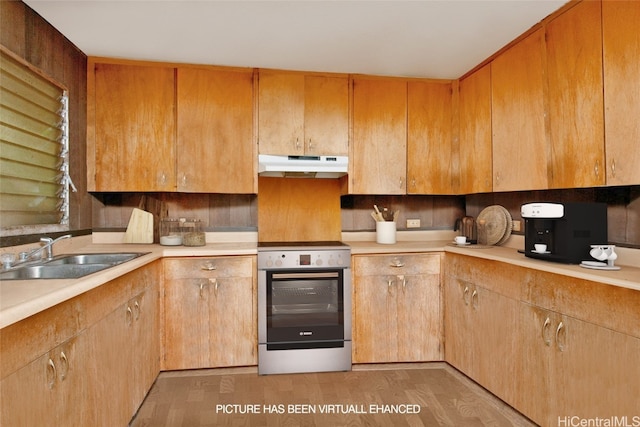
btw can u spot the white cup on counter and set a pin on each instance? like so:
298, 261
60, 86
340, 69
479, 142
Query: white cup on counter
386, 232
461, 240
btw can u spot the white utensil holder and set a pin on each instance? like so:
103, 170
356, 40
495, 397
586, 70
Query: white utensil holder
386, 232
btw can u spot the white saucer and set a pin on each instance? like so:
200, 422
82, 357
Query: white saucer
461, 244
541, 253
597, 265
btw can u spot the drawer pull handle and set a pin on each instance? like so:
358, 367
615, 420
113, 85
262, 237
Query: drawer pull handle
545, 328
214, 282
136, 310
396, 263
202, 284
208, 267
129, 316
474, 299
465, 293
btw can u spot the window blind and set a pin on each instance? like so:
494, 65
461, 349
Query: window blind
34, 179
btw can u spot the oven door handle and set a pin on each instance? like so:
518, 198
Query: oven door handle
302, 275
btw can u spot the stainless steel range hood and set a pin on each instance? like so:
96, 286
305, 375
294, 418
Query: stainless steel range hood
302, 166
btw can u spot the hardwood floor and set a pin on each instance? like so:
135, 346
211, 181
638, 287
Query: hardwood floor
430, 394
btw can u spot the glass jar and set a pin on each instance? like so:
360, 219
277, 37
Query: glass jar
170, 234
192, 234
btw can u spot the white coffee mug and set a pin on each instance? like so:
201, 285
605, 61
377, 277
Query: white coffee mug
461, 240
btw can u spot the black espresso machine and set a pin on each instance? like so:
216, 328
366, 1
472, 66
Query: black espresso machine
568, 230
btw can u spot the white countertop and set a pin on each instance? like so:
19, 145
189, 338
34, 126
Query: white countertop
20, 299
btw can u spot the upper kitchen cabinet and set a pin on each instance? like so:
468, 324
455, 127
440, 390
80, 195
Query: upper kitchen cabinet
215, 145
475, 163
130, 128
378, 152
622, 90
518, 116
575, 98
429, 137
303, 114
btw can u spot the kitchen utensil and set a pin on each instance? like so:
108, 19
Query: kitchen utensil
467, 227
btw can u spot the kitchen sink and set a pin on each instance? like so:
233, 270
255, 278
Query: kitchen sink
81, 259
71, 266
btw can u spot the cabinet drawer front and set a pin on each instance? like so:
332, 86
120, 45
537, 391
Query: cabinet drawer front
375, 265
182, 268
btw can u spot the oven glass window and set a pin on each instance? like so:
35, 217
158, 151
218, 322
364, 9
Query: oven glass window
305, 306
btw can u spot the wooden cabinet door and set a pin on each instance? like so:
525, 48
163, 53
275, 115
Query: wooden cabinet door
518, 116
378, 153
397, 308
134, 128
210, 313
576, 120
622, 90
51, 390
429, 138
215, 148
326, 115
281, 113
475, 162
458, 326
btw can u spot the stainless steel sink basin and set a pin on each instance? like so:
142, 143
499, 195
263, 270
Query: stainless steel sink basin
66, 271
70, 266
107, 258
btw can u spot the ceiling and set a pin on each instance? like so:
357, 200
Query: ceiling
435, 39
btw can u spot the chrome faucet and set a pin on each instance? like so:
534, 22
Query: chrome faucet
46, 248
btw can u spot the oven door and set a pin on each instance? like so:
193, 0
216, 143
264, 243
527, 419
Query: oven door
303, 309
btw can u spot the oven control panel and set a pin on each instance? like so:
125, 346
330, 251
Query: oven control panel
283, 259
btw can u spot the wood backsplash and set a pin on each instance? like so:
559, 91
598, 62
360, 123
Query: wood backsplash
298, 209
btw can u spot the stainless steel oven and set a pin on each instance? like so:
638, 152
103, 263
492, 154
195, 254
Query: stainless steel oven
304, 307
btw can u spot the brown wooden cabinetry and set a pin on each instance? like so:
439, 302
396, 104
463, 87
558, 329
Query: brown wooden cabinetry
210, 312
303, 114
87, 361
575, 97
622, 90
475, 162
131, 128
397, 309
378, 153
429, 137
215, 149
518, 116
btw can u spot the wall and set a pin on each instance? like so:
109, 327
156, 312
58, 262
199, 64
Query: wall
26, 34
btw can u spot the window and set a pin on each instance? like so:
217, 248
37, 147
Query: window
34, 147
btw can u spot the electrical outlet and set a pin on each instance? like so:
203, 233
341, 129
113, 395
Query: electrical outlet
517, 225
413, 223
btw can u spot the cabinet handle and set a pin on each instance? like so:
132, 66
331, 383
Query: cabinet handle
184, 179
560, 344
202, 284
401, 183
297, 144
136, 310
129, 316
310, 144
402, 279
413, 183
545, 328
596, 168
208, 267
51, 374
214, 282
613, 167
64, 369
396, 263
465, 293
474, 299
163, 179
389, 284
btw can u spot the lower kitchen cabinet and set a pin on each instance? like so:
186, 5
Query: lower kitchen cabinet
210, 311
544, 343
88, 361
50, 390
481, 335
397, 308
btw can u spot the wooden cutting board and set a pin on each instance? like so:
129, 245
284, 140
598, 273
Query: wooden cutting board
140, 228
